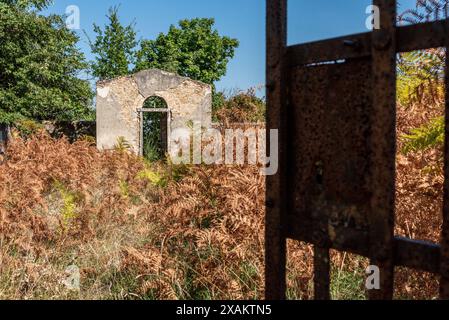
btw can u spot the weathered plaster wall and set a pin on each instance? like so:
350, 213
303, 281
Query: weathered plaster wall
118, 100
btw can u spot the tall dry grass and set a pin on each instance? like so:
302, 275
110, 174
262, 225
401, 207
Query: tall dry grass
419, 197
158, 231
135, 230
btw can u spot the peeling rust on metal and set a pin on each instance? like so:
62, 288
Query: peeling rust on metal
334, 102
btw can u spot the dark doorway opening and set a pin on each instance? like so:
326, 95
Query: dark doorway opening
155, 118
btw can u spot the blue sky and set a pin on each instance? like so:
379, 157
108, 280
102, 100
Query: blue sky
241, 19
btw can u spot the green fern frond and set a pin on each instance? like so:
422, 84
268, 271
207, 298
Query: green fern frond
122, 144
70, 199
423, 138
152, 177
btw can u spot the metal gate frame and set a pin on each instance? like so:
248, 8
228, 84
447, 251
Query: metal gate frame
383, 248
141, 111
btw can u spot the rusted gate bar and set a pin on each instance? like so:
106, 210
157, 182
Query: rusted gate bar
444, 263
335, 187
409, 38
275, 242
322, 269
383, 146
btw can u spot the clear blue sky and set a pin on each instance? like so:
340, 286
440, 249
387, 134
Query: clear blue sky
241, 19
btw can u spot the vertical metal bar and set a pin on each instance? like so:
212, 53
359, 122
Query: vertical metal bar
322, 270
444, 268
168, 131
141, 134
383, 142
275, 242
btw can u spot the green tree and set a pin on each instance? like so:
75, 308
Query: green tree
40, 66
28, 4
114, 48
194, 50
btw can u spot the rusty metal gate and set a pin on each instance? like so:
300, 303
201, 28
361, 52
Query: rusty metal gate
334, 103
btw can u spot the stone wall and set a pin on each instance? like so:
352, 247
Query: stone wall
73, 130
119, 99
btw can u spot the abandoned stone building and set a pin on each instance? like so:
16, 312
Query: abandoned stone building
125, 103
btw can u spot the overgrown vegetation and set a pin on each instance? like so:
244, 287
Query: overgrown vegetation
239, 107
140, 229
420, 128
135, 230
421, 78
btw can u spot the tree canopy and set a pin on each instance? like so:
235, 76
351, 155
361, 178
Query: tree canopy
114, 47
40, 66
194, 49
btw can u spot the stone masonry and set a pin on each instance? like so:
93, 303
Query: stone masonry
119, 99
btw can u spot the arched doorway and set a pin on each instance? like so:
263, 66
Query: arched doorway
154, 129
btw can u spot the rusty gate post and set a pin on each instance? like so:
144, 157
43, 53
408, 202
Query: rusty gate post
334, 102
444, 263
322, 273
275, 242
383, 140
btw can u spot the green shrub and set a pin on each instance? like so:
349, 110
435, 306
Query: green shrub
240, 108
69, 199
27, 127
152, 177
